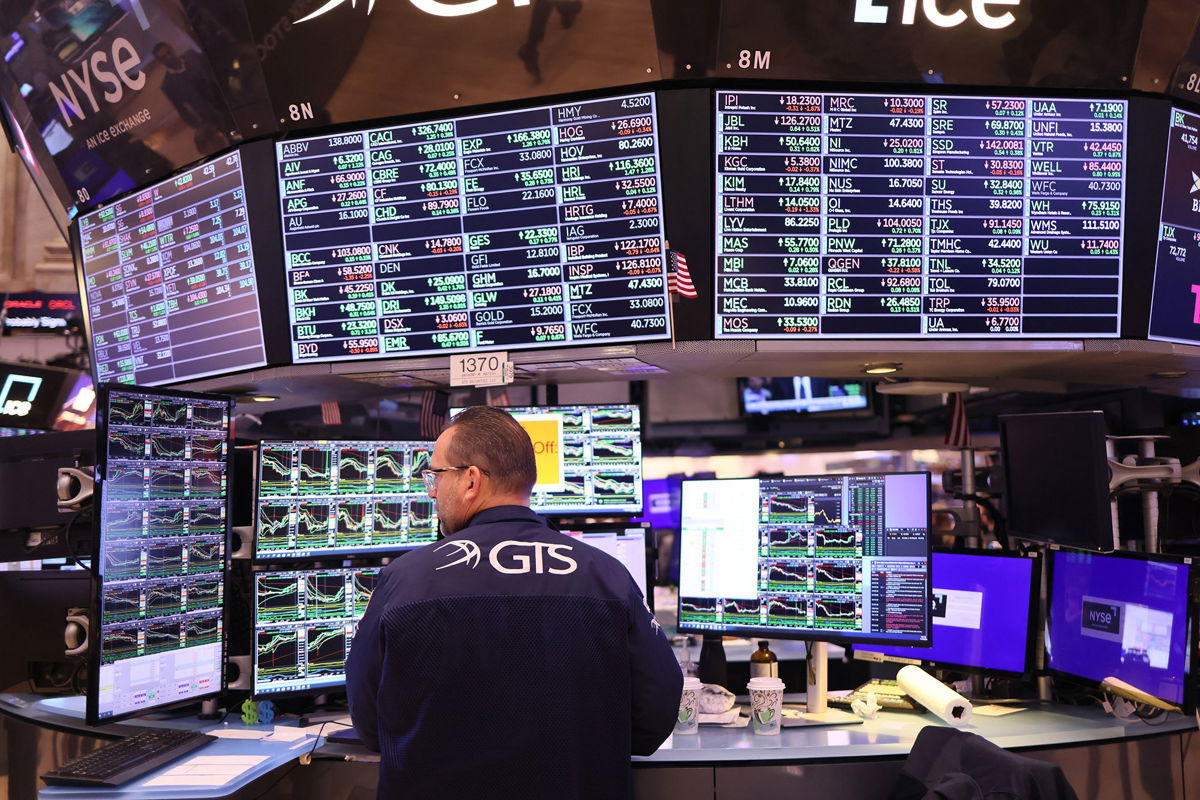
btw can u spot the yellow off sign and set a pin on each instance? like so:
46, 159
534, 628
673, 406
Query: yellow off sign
546, 433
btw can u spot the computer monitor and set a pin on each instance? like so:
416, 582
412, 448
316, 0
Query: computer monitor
1123, 615
984, 614
626, 543
353, 498
800, 394
1063, 499
842, 558
304, 624
162, 483
589, 458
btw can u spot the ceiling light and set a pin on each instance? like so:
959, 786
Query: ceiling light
1169, 373
881, 367
262, 398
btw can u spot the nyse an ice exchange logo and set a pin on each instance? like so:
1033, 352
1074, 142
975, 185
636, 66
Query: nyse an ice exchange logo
438, 8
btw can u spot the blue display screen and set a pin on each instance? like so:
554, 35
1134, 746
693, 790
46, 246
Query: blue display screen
1120, 617
980, 613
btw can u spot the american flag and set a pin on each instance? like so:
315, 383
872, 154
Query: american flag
331, 413
958, 433
498, 397
435, 406
679, 280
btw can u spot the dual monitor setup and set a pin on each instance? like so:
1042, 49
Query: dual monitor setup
847, 559
326, 514
810, 215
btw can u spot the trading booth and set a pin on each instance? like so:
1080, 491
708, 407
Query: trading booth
336, 199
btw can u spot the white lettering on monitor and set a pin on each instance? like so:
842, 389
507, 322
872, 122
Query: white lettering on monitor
124, 73
873, 12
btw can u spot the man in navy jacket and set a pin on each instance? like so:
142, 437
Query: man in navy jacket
506, 660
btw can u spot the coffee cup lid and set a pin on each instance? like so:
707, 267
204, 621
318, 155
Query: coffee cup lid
765, 683
690, 682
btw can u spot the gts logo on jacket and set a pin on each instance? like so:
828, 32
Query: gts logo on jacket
514, 558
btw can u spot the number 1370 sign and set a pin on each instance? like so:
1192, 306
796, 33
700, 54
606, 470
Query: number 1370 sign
486, 369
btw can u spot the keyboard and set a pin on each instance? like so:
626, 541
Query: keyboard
121, 762
888, 695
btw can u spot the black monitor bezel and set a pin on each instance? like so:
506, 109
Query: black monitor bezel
1031, 624
586, 513
867, 409
103, 394
322, 555
1191, 690
256, 160
1006, 466
828, 636
306, 569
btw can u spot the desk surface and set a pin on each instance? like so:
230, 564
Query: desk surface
889, 735
892, 734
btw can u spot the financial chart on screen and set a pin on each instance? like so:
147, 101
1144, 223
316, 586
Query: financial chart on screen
168, 280
837, 557
342, 497
589, 458
161, 554
873, 215
530, 228
304, 624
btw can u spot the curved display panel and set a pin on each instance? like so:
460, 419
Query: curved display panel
168, 280
538, 227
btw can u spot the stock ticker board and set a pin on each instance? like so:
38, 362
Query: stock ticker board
1175, 312
856, 215
531, 228
169, 282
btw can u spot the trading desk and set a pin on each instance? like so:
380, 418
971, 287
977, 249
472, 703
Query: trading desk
1101, 756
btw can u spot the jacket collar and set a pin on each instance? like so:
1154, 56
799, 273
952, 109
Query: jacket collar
506, 513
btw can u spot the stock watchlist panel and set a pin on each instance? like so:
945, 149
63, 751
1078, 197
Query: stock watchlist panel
1175, 312
844, 215
530, 228
169, 281
342, 497
304, 623
162, 549
846, 557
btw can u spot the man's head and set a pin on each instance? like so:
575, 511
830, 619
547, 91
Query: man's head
486, 460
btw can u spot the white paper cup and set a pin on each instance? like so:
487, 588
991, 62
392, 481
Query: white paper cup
688, 720
766, 705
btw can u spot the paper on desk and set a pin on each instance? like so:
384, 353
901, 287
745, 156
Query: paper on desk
206, 771
720, 719
284, 733
237, 733
996, 711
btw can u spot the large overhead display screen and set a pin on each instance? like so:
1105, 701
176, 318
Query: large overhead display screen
1175, 313
532, 228
169, 283
859, 216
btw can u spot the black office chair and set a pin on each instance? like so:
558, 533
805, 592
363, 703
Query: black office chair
949, 764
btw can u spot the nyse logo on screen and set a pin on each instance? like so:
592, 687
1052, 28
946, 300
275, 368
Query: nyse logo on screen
877, 11
438, 8
1101, 619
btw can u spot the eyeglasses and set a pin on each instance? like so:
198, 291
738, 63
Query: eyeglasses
430, 475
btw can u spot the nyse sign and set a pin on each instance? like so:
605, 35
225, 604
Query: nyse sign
877, 12
17, 395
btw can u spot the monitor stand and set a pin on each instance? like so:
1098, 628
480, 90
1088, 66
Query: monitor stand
817, 710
